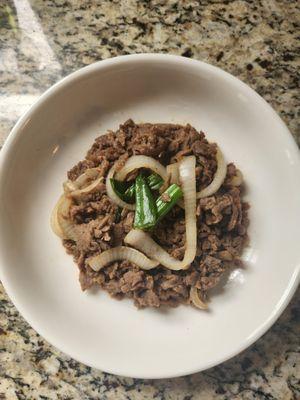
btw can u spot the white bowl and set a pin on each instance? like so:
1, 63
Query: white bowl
42, 280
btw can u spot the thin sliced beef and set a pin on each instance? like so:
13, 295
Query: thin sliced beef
222, 219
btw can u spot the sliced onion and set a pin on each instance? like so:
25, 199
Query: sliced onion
64, 221
218, 178
54, 219
220, 175
83, 184
112, 194
69, 186
88, 175
237, 179
173, 172
88, 189
121, 253
136, 162
194, 297
173, 176
142, 241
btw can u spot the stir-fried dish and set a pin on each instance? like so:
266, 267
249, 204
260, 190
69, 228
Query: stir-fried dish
153, 213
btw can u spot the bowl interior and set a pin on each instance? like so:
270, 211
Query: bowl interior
42, 279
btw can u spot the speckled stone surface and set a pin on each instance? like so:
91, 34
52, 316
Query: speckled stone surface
42, 41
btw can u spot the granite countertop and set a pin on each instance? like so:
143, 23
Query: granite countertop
44, 40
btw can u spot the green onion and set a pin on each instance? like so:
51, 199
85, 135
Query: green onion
145, 207
172, 195
130, 192
154, 181
119, 188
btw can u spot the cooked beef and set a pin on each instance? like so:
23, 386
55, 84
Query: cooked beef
222, 219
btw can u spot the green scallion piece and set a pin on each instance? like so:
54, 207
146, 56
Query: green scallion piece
145, 208
130, 192
167, 200
155, 181
119, 188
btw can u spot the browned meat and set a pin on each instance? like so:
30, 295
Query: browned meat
147, 298
222, 219
149, 141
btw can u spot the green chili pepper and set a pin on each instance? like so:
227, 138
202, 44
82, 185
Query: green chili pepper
145, 207
167, 200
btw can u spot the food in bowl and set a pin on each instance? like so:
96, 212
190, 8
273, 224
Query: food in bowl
153, 213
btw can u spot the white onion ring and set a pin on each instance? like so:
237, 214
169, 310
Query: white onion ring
86, 176
142, 241
218, 178
194, 297
217, 181
54, 219
121, 253
88, 189
173, 176
79, 186
69, 186
64, 221
237, 179
112, 194
173, 172
136, 162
